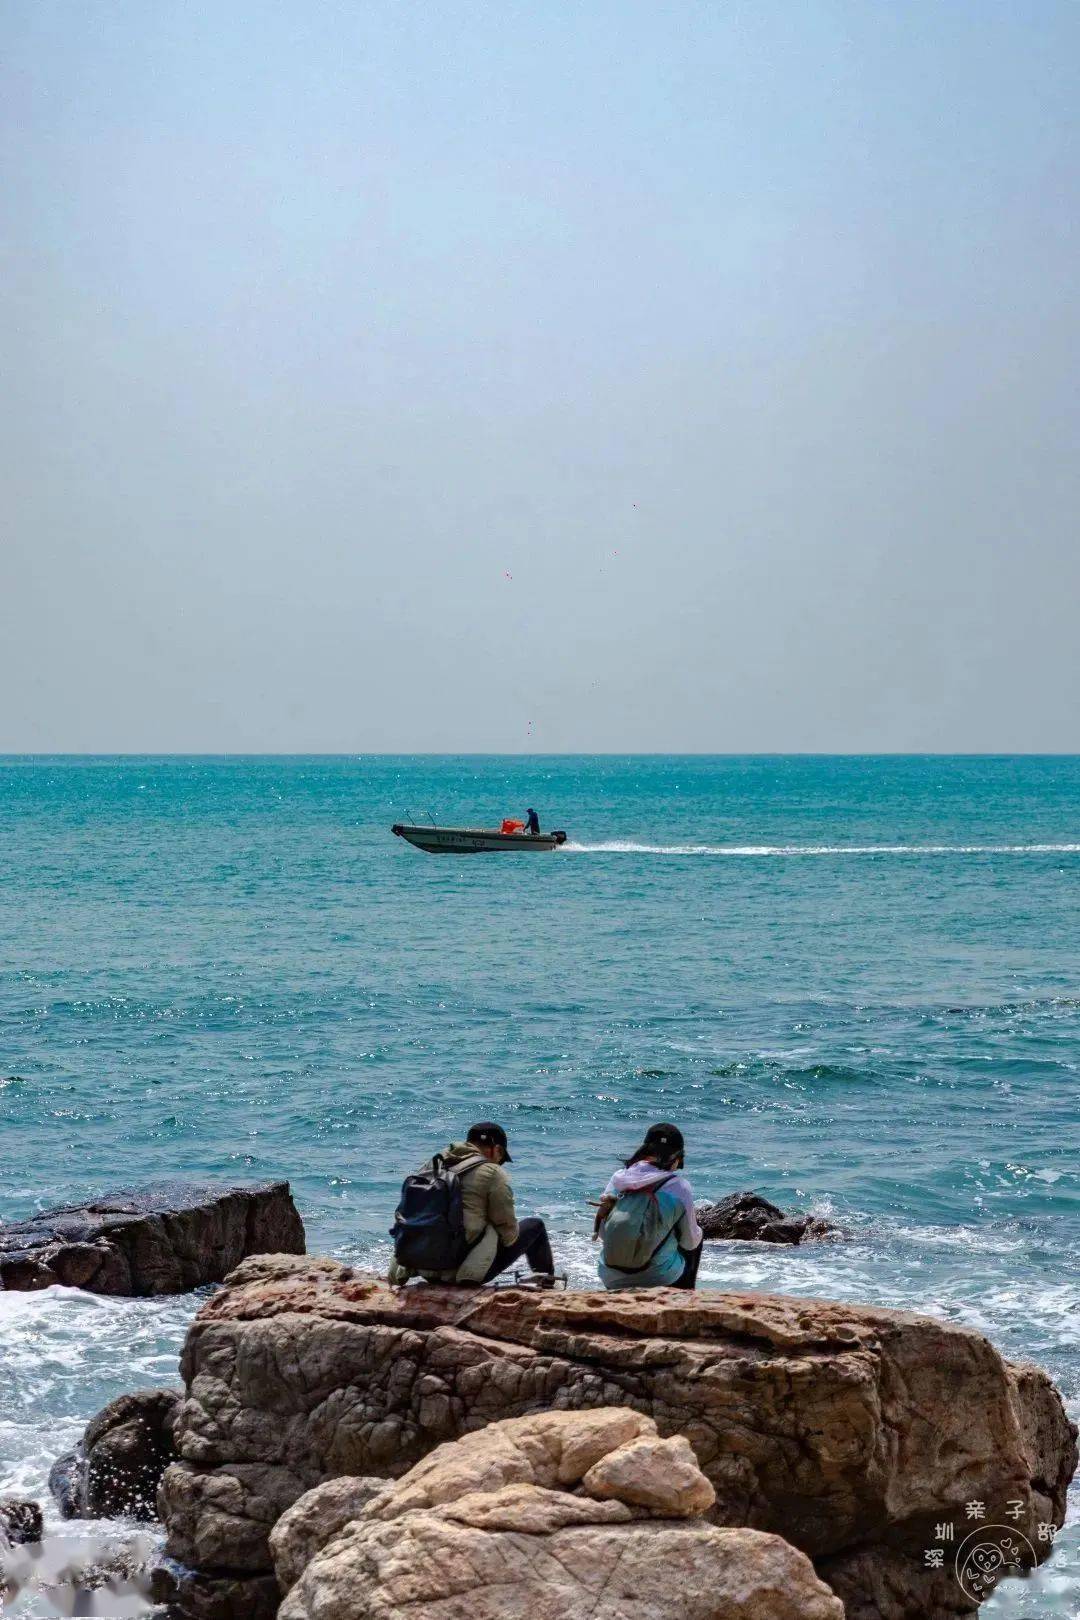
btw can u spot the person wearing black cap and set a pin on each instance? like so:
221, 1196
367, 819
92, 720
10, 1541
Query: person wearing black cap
532, 823
496, 1237
653, 1198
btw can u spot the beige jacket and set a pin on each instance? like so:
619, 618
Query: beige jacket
487, 1202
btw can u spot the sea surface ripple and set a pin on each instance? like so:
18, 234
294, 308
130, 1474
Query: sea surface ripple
862, 999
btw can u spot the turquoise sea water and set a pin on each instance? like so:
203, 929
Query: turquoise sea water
855, 984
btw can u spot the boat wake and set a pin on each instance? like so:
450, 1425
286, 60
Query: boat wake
622, 847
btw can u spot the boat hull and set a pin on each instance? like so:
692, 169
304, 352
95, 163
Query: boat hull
475, 840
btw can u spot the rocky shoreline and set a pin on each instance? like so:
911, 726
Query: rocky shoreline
851, 1432
175, 1236
340, 1448
164, 1239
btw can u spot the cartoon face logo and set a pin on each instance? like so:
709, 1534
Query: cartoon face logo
988, 1555
986, 1559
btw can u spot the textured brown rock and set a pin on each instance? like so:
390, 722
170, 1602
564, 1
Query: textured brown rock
532, 1510
427, 1567
158, 1240
527, 1549
116, 1470
876, 1584
661, 1476
546, 1449
850, 1431
314, 1520
222, 1520
612, 1455
1038, 1408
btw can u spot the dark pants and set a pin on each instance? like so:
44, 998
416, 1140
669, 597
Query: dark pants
693, 1260
532, 1242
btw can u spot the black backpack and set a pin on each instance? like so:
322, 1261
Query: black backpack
429, 1222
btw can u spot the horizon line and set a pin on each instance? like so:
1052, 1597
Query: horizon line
602, 753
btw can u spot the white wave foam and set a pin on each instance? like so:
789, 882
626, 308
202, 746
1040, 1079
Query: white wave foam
617, 846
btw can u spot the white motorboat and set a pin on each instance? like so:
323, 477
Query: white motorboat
474, 840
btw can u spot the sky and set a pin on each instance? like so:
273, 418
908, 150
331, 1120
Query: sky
580, 375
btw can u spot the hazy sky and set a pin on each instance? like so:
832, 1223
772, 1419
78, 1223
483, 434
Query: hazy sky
581, 374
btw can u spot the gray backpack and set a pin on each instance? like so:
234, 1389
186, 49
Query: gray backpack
636, 1229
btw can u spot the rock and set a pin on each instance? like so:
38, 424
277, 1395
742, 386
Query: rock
613, 1454
160, 1240
427, 1565
314, 1520
548, 1449
532, 1510
876, 1584
849, 1430
117, 1468
482, 1549
221, 1519
748, 1216
659, 1475
196, 1596
20, 1522
1038, 1407
67, 1484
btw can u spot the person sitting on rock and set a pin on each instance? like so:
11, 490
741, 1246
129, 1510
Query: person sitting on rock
646, 1218
495, 1236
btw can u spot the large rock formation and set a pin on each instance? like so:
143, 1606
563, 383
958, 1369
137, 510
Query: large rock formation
852, 1432
158, 1240
551, 1517
748, 1216
116, 1470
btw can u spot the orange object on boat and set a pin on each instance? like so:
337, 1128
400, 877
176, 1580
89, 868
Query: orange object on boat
512, 826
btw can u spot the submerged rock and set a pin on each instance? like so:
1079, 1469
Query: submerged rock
20, 1522
116, 1469
542, 1518
748, 1216
850, 1431
157, 1240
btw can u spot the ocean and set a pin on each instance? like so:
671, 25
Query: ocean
853, 982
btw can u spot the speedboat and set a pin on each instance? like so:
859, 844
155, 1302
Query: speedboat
474, 840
